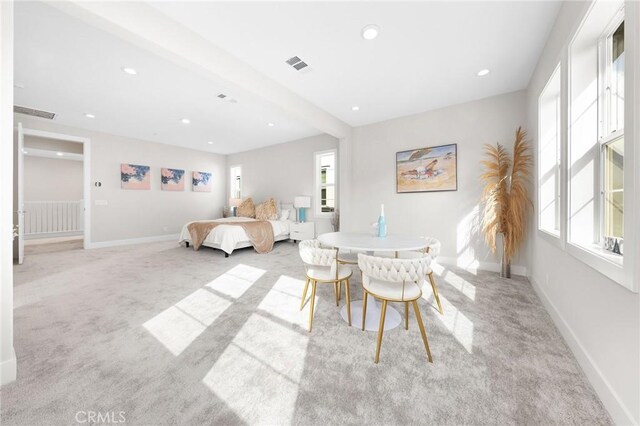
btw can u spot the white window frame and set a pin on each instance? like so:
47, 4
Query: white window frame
318, 183
557, 73
602, 261
232, 177
606, 136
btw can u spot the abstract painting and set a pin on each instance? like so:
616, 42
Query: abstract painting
172, 179
201, 181
427, 169
134, 176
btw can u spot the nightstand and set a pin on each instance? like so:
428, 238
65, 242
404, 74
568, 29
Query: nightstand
302, 231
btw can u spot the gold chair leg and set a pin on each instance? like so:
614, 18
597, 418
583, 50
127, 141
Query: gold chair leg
406, 315
364, 307
435, 292
383, 313
335, 289
313, 302
422, 332
339, 291
304, 293
348, 297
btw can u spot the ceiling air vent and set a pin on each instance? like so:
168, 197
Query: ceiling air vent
34, 112
298, 64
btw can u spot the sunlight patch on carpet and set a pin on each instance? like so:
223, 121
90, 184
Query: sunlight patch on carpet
179, 325
457, 323
283, 301
259, 373
456, 281
236, 281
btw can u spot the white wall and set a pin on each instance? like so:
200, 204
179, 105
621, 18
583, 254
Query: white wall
7, 354
52, 179
283, 171
452, 217
131, 214
598, 318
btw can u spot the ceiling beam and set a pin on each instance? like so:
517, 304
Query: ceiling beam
145, 26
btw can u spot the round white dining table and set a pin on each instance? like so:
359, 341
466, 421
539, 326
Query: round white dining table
370, 244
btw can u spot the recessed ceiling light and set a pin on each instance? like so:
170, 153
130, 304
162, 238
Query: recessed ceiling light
355, 108
59, 154
483, 72
370, 32
210, 143
270, 124
89, 115
185, 121
129, 71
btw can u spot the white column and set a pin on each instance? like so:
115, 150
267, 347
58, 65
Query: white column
344, 182
7, 353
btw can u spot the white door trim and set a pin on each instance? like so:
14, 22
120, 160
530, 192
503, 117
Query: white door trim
20, 210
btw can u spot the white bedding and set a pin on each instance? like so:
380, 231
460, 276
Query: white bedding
229, 237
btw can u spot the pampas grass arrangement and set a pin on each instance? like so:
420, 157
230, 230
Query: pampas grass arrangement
506, 197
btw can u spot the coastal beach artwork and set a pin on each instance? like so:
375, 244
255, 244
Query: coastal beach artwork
172, 179
201, 181
427, 169
134, 176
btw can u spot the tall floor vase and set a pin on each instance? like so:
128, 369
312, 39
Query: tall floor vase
505, 263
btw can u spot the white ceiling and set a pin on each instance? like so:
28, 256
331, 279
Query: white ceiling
69, 67
426, 56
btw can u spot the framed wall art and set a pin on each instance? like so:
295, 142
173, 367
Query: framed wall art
427, 169
201, 181
172, 179
135, 176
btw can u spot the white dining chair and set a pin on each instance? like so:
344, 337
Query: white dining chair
433, 251
321, 267
394, 280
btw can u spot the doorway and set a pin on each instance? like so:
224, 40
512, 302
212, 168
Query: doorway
53, 173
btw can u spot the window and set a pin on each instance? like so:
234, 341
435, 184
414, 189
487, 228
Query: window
549, 117
611, 135
595, 164
326, 193
235, 180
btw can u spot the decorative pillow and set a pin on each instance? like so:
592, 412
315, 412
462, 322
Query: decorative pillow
267, 210
284, 214
246, 209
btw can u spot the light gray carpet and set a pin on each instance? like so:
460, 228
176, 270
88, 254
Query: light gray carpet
167, 335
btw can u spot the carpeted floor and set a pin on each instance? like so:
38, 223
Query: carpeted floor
158, 334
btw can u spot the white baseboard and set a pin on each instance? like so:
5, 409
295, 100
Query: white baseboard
52, 235
617, 409
480, 266
8, 370
143, 240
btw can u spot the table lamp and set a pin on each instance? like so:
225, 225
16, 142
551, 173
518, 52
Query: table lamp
301, 203
234, 203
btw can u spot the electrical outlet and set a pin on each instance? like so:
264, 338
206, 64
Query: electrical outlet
165, 229
100, 202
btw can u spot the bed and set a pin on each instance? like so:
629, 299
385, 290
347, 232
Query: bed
229, 237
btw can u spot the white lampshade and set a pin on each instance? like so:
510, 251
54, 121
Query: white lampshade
302, 202
235, 202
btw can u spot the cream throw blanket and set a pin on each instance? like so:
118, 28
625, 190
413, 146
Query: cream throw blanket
260, 233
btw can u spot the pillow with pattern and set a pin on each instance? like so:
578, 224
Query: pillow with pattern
267, 210
246, 209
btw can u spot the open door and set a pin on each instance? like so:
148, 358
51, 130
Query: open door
20, 194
